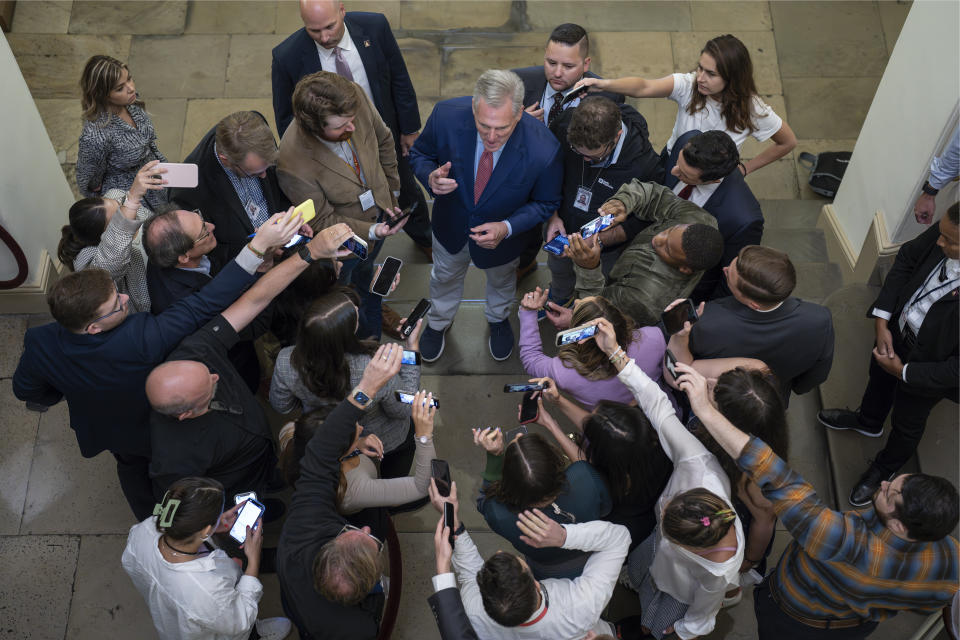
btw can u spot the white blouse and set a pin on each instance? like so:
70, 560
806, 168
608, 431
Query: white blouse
765, 122
203, 599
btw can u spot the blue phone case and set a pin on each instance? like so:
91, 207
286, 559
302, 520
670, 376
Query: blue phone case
556, 245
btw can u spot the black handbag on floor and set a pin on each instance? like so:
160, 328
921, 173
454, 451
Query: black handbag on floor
826, 170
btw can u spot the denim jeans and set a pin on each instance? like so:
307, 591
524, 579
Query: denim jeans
360, 273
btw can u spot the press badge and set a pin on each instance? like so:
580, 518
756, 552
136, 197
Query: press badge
366, 199
583, 199
251, 208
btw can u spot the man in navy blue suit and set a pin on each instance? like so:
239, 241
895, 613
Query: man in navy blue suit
703, 169
360, 47
495, 173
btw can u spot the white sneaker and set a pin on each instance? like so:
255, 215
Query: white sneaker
731, 601
274, 628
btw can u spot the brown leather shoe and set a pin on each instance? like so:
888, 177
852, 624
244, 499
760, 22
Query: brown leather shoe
389, 322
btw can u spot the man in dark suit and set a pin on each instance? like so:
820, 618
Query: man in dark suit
237, 189
915, 360
446, 603
360, 47
703, 168
496, 174
97, 356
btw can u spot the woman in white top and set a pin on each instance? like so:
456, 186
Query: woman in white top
194, 590
720, 94
685, 566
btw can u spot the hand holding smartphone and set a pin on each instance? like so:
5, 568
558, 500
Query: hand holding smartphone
178, 174
522, 387
440, 472
670, 361
576, 334
418, 312
407, 398
529, 408
449, 520
674, 319
249, 514
356, 245
386, 274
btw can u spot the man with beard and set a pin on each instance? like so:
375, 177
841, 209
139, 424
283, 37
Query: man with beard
338, 152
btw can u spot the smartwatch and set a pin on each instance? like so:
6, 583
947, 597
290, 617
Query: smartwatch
927, 189
361, 398
304, 253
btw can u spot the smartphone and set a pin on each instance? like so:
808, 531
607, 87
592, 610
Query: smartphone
573, 95
385, 276
670, 361
556, 245
673, 319
178, 174
390, 222
248, 516
509, 436
526, 386
448, 519
440, 472
357, 246
576, 334
240, 497
306, 211
296, 241
418, 312
407, 398
529, 409
410, 357
595, 226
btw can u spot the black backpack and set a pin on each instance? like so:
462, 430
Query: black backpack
826, 170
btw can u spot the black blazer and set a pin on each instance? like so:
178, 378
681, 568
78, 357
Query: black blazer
390, 84
535, 83
739, 220
219, 202
452, 620
168, 285
933, 362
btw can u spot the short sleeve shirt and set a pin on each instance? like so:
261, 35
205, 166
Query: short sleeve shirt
765, 121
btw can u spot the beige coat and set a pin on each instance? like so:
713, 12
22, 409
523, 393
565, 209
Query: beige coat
306, 168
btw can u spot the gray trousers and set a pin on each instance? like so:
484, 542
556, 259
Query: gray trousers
446, 286
563, 273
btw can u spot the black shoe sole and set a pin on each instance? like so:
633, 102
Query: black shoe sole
869, 434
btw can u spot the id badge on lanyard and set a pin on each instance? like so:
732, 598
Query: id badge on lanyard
584, 195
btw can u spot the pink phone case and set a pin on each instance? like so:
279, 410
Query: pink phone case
179, 174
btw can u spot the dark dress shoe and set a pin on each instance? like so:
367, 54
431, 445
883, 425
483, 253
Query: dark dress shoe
844, 419
866, 487
389, 322
275, 509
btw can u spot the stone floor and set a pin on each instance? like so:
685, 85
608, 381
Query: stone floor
63, 521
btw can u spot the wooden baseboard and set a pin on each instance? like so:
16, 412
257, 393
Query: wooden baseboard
31, 298
857, 265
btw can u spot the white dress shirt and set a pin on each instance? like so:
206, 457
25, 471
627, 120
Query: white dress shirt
546, 102
574, 605
328, 61
700, 193
688, 577
203, 599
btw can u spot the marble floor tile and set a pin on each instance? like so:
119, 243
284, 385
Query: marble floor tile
760, 44
802, 245
777, 180
202, 115
727, 17
829, 39
52, 64
68, 493
661, 115
231, 16
790, 214
248, 66
610, 16
42, 16
168, 116
455, 14
832, 108
815, 147
617, 54
422, 59
105, 603
892, 16
160, 17
36, 607
414, 277
16, 456
12, 328
63, 122
180, 66
463, 65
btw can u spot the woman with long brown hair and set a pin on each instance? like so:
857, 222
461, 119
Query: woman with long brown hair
720, 94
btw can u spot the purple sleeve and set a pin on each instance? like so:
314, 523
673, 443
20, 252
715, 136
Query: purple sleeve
535, 363
647, 350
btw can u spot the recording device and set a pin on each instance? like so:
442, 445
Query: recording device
448, 519
407, 398
418, 312
556, 245
385, 276
305, 210
248, 516
511, 435
240, 497
672, 320
595, 226
178, 174
670, 361
410, 357
440, 472
529, 408
392, 222
523, 387
296, 241
574, 95
576, 334
356, 245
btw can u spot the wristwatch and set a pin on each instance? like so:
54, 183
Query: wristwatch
424, 439
361, 398
927, 189
304, 253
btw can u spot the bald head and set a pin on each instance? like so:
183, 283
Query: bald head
323, 20
181, 388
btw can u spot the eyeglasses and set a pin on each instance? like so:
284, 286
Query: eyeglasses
120, 307
204, 229
594, 159
350, 527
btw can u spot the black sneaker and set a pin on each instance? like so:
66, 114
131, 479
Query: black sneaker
844, 419
431, 344
866, 487
501, 340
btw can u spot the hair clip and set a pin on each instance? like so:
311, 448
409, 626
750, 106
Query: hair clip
705, 521
726, 514
167, 509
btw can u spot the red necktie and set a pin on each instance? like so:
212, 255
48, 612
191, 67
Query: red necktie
484, 169
686, 191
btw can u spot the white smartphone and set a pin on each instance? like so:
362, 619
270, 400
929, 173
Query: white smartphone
179, 174
357, 245
248, 516
240, 497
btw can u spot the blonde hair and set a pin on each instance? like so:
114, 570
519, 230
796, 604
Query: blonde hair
100, 75
245, 132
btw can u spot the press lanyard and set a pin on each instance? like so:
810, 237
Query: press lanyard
935, 271
356, 162
546, 605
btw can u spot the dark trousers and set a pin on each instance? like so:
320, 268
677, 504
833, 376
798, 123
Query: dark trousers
418, 226
774, 624
360, 273
397, 463
134, 474
910, 412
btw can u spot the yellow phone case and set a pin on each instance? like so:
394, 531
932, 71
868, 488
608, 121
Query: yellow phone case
306, 210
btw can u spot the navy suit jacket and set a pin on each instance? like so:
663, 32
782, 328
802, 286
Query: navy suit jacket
535, 83
390, 84
739, 220
102, 376
525, 187
170, 284
452, 620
